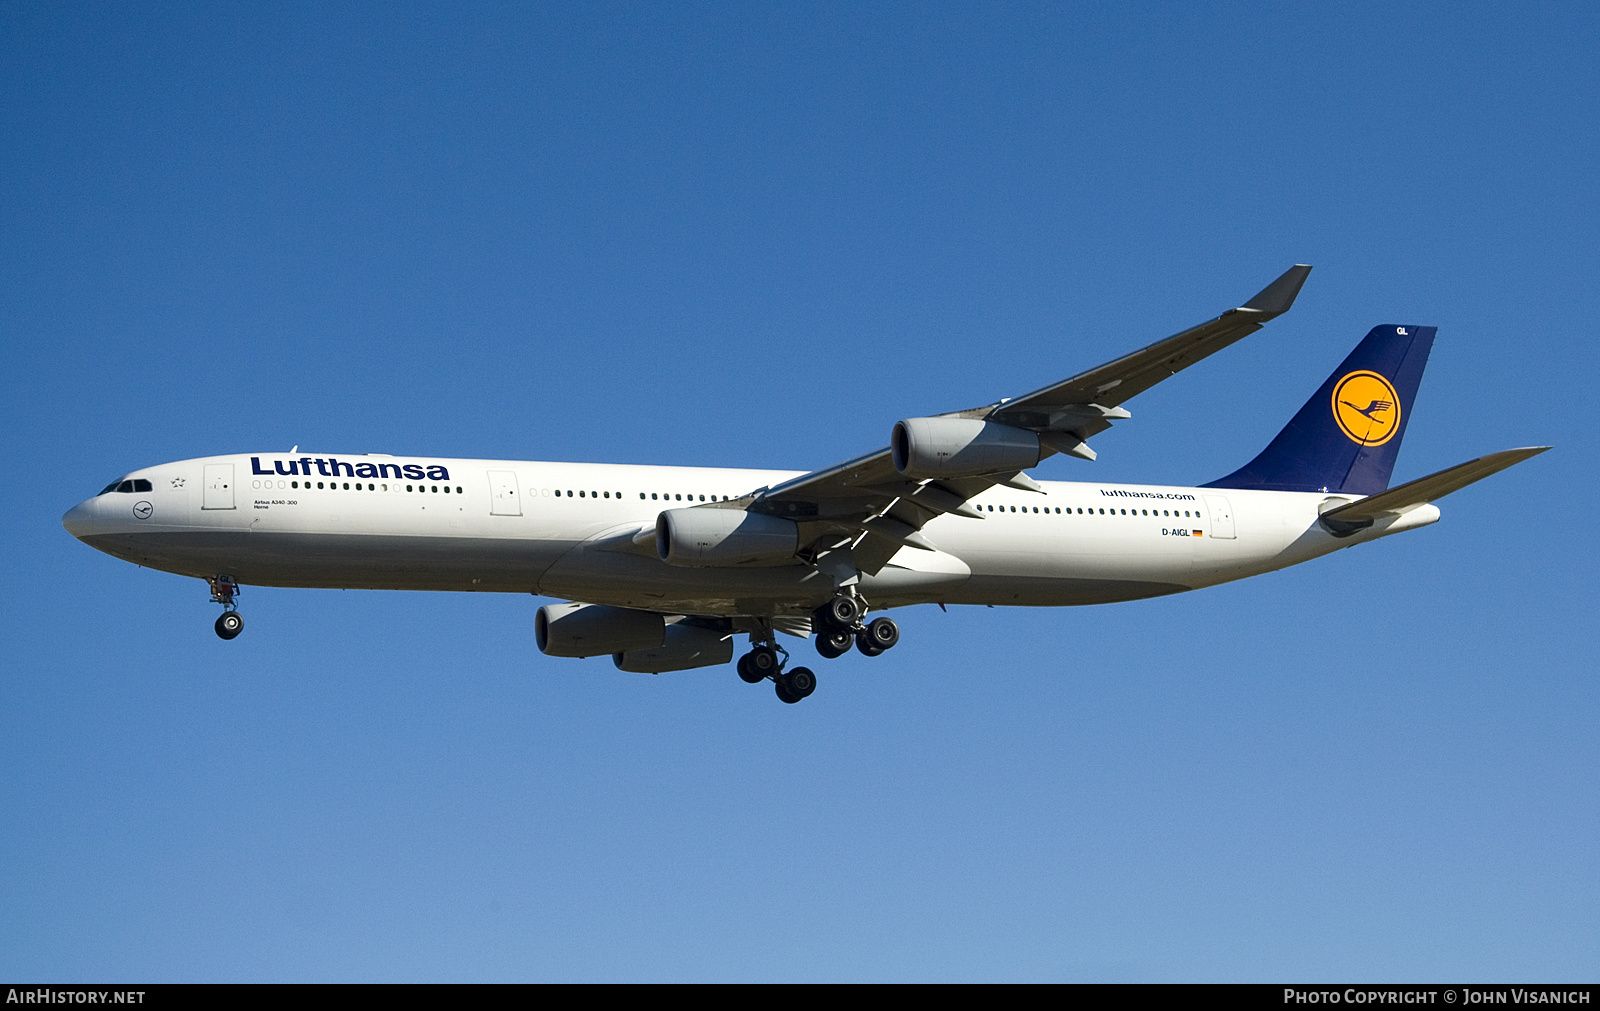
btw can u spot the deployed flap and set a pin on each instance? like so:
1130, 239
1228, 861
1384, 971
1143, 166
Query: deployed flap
1431, 488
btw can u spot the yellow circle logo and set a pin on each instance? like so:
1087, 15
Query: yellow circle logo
1367, 408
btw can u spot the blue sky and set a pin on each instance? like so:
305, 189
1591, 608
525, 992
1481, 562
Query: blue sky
696, 234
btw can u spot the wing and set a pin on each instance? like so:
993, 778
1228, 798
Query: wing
856, 515
1117, 382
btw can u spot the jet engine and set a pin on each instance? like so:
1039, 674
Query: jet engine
718, 538
686, 646
961, 447
595, 629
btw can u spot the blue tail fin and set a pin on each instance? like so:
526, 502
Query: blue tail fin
1348, 435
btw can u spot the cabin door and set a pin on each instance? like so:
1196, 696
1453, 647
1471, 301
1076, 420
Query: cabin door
1221, 517
503, 494
218, 486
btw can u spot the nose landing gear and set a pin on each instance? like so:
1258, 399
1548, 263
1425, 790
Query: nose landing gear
225, 591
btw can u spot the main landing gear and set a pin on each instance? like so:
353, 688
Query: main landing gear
768, 660
839, 625
225, 591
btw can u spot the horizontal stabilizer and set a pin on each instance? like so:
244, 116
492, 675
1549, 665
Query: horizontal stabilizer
1428, 489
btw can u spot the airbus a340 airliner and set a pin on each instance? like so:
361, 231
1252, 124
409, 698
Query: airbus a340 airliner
664, 566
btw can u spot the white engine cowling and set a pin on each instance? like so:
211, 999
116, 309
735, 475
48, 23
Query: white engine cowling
595, 629
719, 538
686, 646
961, 447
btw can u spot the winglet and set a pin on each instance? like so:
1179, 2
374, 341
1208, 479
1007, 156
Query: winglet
1276, 298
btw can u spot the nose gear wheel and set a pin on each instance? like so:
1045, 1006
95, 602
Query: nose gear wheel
229, 624
225, 591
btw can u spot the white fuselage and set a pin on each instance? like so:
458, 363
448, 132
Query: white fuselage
580, 532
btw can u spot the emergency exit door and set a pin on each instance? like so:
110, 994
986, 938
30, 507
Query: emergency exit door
218, 486
503, 500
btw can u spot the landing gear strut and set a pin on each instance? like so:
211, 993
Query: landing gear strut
225, 591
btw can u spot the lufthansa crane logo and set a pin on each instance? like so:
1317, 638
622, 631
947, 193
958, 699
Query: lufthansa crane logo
1367, 408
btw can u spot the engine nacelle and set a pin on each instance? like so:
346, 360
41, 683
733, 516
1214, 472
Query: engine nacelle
961, 447
686, 646
721, 538
595, 629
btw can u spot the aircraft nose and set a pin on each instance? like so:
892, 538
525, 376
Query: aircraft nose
79, 520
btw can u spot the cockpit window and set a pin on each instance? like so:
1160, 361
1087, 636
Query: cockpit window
130, 485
